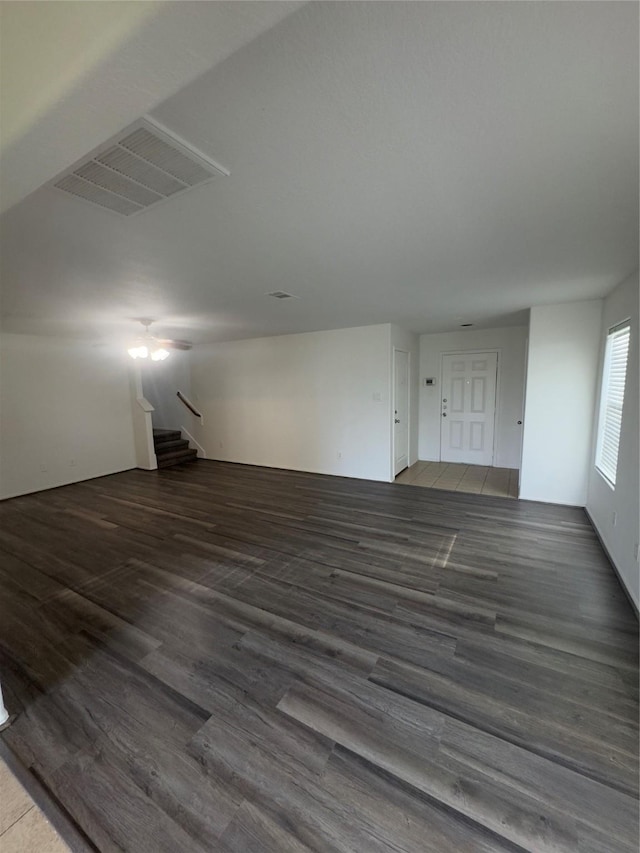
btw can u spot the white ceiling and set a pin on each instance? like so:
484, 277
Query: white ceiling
427, 164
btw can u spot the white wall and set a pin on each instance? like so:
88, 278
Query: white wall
65, 407
603, 501
564, 343
511, 344
161, 380
407, 341
141, 414
305, 402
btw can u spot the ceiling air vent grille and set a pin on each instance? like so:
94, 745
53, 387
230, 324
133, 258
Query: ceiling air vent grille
142, 166
281, 294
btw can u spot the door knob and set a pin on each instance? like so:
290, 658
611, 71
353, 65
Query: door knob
519, 422
444, 414
396, 420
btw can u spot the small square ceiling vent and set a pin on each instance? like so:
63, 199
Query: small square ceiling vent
281, 294
141, 166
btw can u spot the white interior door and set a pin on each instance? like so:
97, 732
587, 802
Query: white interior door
400, 410
467, 407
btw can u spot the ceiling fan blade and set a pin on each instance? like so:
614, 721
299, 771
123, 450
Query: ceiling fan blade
173, 344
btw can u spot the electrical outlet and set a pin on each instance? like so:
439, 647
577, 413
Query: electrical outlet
614, 518
635, 552
72, 463
43, 468
339, 454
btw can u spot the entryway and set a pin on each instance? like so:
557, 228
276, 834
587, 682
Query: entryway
455, 477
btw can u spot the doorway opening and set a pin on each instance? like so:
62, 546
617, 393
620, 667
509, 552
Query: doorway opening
400, 410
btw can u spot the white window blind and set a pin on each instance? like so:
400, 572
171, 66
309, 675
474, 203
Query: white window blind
611, 401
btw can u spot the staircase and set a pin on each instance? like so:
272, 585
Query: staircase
171, 448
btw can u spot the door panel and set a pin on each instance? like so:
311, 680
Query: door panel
478, 391
468, 408
476, 435
456, 431
457, 393
401, 410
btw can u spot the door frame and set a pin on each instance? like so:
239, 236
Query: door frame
394, 350
474, 351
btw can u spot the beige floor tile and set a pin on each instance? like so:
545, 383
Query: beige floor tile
431, 470
497, 484
14, 800
498, 474
32, 834
456, 477
409, 474
427, 473
438, 467
469, 488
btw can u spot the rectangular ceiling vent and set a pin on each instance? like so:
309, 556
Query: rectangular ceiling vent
281, 294
141, 166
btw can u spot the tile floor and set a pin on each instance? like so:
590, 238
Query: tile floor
23, 827
477, 479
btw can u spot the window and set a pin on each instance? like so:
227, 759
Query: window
611, 399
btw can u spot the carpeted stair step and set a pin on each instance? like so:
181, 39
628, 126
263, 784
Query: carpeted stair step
165, 460
163, 447
160, 436
171, 448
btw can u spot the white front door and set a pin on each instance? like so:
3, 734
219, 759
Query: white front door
467, 407
400, 410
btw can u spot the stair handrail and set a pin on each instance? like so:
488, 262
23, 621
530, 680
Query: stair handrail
189, 405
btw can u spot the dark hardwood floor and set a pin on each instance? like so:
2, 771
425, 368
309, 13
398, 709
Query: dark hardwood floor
226, 658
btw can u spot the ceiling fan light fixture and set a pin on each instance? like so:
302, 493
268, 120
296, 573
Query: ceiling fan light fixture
158, 349
139, 351
148, 345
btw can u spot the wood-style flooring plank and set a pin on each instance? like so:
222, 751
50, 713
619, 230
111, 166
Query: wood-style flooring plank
241, 660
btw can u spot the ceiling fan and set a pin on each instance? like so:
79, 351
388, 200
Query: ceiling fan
157, 349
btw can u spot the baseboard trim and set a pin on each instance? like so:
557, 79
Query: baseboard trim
70, 483
202, 453
603, 544
295, 470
